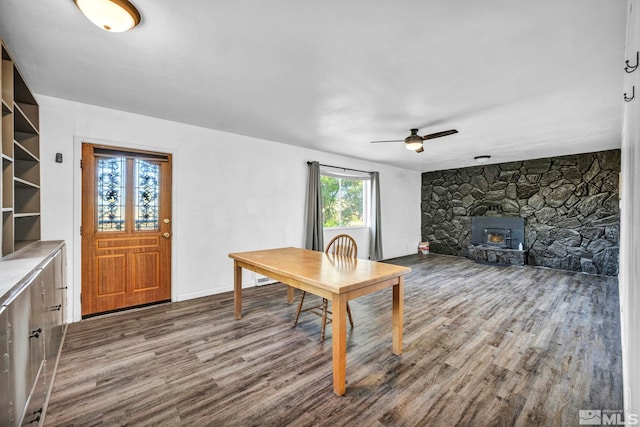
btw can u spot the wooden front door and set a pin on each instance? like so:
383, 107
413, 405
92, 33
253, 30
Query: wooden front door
126, 228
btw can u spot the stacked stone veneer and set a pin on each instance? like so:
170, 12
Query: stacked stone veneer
570, 205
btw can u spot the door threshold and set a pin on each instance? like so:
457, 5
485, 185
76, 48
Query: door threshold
119, 310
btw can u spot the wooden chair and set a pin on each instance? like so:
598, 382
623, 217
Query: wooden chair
342, 245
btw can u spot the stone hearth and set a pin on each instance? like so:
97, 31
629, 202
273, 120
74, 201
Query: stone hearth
497, 255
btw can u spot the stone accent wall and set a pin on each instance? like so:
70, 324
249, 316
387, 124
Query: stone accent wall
570, 205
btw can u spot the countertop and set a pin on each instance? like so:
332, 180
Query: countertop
16, 268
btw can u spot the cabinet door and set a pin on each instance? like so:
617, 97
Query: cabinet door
19, 311
26, 349
52, 309
58, 309
5, 416
59, 289
60, 267
33, 411
36, 323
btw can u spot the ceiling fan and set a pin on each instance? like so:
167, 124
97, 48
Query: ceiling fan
414, 141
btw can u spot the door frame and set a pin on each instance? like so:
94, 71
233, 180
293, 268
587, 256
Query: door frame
75, 285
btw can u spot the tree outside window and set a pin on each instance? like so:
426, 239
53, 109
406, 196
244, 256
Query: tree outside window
344, 201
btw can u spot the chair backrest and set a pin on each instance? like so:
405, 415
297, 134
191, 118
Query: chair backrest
342, 245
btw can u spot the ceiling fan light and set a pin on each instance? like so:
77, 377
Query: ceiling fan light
413, 142
413, 146
114, 16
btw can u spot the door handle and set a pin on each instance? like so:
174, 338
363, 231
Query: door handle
166, 235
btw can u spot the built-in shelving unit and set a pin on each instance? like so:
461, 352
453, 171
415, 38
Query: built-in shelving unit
20, 153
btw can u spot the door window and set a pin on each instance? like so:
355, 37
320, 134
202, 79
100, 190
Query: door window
111, 194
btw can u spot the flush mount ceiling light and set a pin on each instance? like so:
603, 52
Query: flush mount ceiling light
114, 16
482, 159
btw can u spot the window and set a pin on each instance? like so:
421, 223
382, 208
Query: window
345, 200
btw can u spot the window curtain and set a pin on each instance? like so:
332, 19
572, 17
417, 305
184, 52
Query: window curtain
314, 229
375, 229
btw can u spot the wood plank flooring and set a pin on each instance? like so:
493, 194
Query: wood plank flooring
484, 345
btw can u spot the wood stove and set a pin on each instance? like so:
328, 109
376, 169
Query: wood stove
503, 232
498, 237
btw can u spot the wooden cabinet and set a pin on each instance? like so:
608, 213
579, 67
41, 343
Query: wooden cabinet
20, 183
32, 325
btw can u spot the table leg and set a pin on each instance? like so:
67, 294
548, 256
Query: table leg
398, 306
237, 290
339, 338
290, 294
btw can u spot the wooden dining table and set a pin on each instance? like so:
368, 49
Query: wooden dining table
336, 278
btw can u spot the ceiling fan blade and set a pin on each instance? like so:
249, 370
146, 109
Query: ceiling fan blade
439, 134
391, 140
420, 150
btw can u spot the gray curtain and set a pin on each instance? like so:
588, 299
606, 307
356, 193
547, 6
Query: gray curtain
314, 230
375, 230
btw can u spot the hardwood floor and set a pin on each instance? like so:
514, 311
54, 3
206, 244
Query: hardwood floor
484, 345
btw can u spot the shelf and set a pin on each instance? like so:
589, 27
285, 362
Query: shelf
7, 80
26, 199
29, 141
21, 183
26, 174
7, 210
21, 92
26, 168
7, 233
7, 135
6, 108
6, 158
21, 152
26, 228
25, 215
30, 112
7, 184
22, 122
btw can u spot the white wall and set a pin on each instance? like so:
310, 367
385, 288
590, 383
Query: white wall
629, 278
230, 192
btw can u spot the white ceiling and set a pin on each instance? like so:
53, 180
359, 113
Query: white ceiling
518, 79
